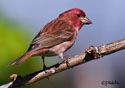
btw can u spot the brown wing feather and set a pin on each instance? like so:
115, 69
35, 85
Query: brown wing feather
54, 33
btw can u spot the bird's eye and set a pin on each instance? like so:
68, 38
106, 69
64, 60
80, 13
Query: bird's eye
78, 15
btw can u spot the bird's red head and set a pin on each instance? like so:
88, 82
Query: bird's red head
76, 17
75, 11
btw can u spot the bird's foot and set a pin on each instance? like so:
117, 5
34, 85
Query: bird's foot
67, 61
44, 69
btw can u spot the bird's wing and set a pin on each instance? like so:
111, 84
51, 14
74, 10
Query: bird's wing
53, 34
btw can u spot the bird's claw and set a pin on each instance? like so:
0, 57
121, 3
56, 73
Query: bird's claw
44, 69
67, 61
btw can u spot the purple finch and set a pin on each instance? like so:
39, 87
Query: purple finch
57, 36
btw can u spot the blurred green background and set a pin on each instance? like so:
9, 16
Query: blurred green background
14, 41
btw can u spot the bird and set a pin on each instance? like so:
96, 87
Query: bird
56, 37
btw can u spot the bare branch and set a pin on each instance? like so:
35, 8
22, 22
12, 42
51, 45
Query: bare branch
90, 54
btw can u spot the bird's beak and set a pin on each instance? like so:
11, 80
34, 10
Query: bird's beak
85, 20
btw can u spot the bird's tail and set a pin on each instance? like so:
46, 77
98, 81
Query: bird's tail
26, 56
22, 58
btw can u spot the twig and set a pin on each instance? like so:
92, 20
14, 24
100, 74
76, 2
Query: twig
90, 54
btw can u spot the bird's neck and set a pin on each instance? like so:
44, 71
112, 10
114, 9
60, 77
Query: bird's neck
76, 23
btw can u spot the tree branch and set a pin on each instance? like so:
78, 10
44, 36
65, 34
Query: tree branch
90, 54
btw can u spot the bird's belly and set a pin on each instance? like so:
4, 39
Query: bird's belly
56, 50
61, 48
